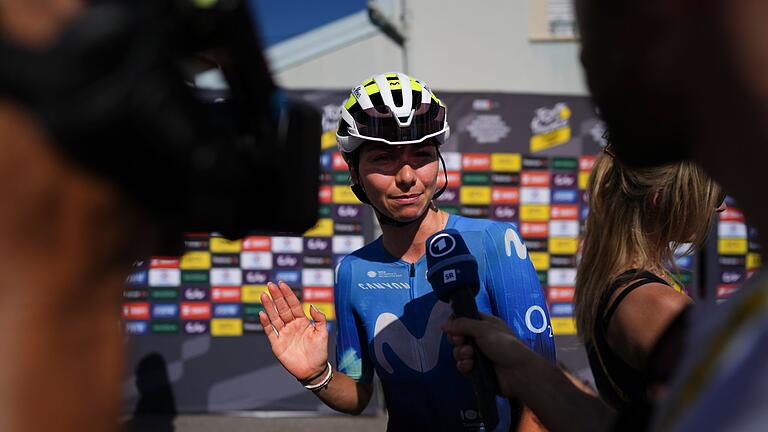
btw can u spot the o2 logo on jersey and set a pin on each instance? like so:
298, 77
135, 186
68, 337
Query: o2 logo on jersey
538, 310
441, 245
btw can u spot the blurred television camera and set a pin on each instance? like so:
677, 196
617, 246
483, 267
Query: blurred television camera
117, 93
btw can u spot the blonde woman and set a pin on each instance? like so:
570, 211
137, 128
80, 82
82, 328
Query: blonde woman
624, 297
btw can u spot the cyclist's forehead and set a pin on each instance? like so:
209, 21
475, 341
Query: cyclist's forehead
372, 146
395, 148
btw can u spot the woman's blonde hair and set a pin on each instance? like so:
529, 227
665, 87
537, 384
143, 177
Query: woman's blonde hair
637, 218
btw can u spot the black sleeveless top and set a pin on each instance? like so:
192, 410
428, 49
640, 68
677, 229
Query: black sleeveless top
620, 385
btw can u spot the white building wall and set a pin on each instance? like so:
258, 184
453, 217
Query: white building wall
345, 67
454, 45
483, 45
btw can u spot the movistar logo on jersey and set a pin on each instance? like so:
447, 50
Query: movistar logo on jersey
511, 239
390, 331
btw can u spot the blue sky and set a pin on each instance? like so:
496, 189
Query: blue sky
282, 19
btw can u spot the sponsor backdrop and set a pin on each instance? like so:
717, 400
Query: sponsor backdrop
733, 253
518, 158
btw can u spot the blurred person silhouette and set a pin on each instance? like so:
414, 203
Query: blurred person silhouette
156, 407
676, 81
695, 88
94, 115
60, 279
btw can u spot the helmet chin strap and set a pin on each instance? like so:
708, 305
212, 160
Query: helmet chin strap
359, 192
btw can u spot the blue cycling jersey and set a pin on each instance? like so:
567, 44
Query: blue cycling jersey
389, 320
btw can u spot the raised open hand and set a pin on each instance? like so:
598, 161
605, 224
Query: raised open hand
299, 345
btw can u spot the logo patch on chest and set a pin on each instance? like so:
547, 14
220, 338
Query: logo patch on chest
420, 354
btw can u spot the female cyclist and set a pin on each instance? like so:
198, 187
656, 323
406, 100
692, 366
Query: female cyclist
388, 316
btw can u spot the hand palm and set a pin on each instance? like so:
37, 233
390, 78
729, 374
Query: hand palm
300, 346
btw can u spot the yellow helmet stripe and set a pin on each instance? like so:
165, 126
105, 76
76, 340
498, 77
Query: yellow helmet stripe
351, 101
371, 89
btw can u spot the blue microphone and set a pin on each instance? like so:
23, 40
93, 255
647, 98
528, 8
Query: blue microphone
453, 275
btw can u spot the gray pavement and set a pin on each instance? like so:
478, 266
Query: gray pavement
207, 423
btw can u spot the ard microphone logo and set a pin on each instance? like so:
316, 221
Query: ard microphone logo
441, 245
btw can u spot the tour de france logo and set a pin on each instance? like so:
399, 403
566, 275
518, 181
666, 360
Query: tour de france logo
550, 127
331, 116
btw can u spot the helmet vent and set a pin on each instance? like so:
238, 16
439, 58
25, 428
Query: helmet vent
397, 97
415, 99
377, 101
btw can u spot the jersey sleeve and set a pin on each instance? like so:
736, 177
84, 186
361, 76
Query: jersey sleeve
351, 344
514, 288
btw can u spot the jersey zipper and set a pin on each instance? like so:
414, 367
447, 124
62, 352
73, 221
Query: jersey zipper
412, 296
411, 280
411, 277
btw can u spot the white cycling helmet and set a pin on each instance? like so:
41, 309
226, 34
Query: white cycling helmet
392, 108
